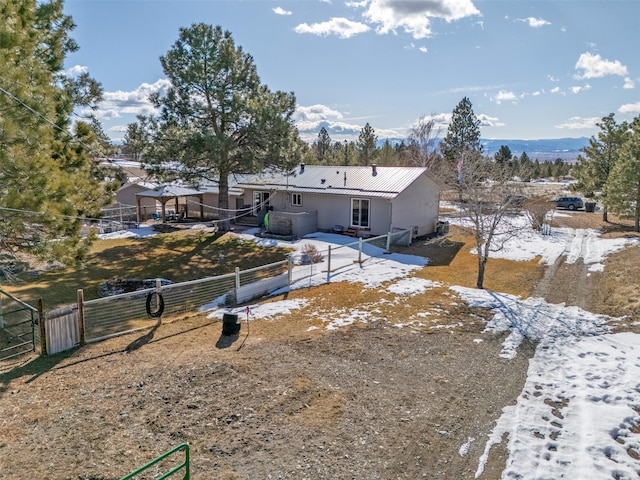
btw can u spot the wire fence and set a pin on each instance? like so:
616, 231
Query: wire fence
102, 318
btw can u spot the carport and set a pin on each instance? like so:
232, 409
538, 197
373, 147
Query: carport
164, 195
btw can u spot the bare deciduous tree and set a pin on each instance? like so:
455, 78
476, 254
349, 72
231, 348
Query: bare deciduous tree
423, 137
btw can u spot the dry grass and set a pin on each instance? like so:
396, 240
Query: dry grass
178, 256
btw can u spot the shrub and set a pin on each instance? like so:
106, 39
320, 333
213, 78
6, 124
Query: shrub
311, 253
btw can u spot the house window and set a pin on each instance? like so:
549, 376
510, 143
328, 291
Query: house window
360, 212
296, 199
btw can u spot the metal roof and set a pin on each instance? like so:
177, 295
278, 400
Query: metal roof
372, 181
169, 191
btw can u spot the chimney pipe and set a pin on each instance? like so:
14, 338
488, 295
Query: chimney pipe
302, 168
374, 169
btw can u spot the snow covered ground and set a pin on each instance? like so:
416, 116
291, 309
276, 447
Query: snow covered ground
576, 416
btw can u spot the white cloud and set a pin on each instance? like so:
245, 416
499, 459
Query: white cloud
630, 108
578, 88
341, 27
487, 121
441, 121
316, 113
534, 22
423, 49
281, 11
504, 96
135, 102
310, 119
76, 71
629, 83
579, 123
555, 90
594, 66
551, 78
414, 16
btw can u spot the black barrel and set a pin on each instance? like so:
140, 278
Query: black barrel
230, 325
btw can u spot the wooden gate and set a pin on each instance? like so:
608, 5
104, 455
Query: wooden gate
61, 329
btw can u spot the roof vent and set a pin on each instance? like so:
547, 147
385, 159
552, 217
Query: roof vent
302, 168
322, 180
374, 169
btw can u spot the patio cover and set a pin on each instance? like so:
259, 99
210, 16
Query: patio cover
167, 193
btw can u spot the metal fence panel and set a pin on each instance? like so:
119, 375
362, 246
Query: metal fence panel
105, 317
180, 298
266, 271
17, 326
261, 288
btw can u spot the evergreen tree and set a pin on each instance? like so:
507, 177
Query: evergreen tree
323, 145
216, 118
136, 138
592, 171
387, 156
49, 176
463, 135
622, 189
503, 156
366, 144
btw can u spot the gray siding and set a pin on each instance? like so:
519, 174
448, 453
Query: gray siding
417, 206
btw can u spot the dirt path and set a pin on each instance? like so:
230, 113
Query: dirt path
569, 280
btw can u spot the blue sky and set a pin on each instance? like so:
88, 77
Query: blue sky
532, 69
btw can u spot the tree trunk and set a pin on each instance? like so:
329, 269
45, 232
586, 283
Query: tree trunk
638, 208
223, 202
605, 215
482, 262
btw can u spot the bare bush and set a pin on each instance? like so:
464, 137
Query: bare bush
311, 252
537, 208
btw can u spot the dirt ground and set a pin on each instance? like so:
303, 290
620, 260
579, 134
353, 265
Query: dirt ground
281, 400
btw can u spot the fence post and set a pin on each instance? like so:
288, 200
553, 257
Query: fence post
388, 242
329, 265
237, 283
43, 331
360, 250
81, 335
290, 270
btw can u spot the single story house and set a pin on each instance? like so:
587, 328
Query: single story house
362, 200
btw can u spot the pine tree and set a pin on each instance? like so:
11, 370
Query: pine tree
49, 177
622, 189
387, 155
323, 145
592, 171
366, 144
463, 134
216, 118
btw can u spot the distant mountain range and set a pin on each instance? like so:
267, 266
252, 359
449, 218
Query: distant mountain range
544, 150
